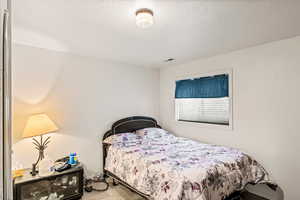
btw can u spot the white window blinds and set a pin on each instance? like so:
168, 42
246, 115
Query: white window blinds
205, 110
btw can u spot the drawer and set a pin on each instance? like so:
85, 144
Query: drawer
64, 187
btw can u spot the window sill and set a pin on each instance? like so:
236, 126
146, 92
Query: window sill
204, 122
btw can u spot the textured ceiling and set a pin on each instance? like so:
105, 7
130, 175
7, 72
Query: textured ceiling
183, 29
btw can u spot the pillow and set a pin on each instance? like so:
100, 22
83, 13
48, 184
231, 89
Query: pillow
152, 132
121, 138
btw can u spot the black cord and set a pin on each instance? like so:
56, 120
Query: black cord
88, 185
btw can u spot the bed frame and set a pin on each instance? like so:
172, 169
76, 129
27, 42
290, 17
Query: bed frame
132, 124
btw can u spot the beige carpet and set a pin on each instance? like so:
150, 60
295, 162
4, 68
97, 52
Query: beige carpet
121, 193
113, 193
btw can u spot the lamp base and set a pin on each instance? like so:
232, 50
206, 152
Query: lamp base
40, 146
34, 172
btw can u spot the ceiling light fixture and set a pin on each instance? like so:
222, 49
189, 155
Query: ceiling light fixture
144, 18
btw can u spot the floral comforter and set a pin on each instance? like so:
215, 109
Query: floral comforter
166, 167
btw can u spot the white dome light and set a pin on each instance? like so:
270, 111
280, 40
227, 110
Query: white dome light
144, 18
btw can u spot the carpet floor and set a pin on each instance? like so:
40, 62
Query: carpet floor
113, 193
121, 193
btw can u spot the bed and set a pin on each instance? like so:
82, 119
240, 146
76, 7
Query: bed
154, 163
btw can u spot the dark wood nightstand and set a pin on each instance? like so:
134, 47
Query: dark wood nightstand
66, 185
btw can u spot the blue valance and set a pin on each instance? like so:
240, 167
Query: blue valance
204, 87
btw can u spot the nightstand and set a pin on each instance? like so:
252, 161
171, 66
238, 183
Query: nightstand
66, 185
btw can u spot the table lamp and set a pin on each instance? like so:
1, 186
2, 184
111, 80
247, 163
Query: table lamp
39, 125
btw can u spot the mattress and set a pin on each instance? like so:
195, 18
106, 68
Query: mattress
167, 167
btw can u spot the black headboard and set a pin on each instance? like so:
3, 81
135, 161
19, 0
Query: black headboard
131, 124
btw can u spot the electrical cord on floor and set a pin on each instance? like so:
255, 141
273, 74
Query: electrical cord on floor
90, 184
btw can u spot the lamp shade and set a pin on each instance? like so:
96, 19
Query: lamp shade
39, 124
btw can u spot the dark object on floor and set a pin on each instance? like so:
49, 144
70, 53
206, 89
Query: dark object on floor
90, 184
66, 185
235, 196
272, 186
250, 196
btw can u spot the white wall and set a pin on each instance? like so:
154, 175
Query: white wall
266, 99
84, 96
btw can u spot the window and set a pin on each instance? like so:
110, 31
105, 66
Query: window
203, 100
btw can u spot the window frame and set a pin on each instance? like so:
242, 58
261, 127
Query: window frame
230, 90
